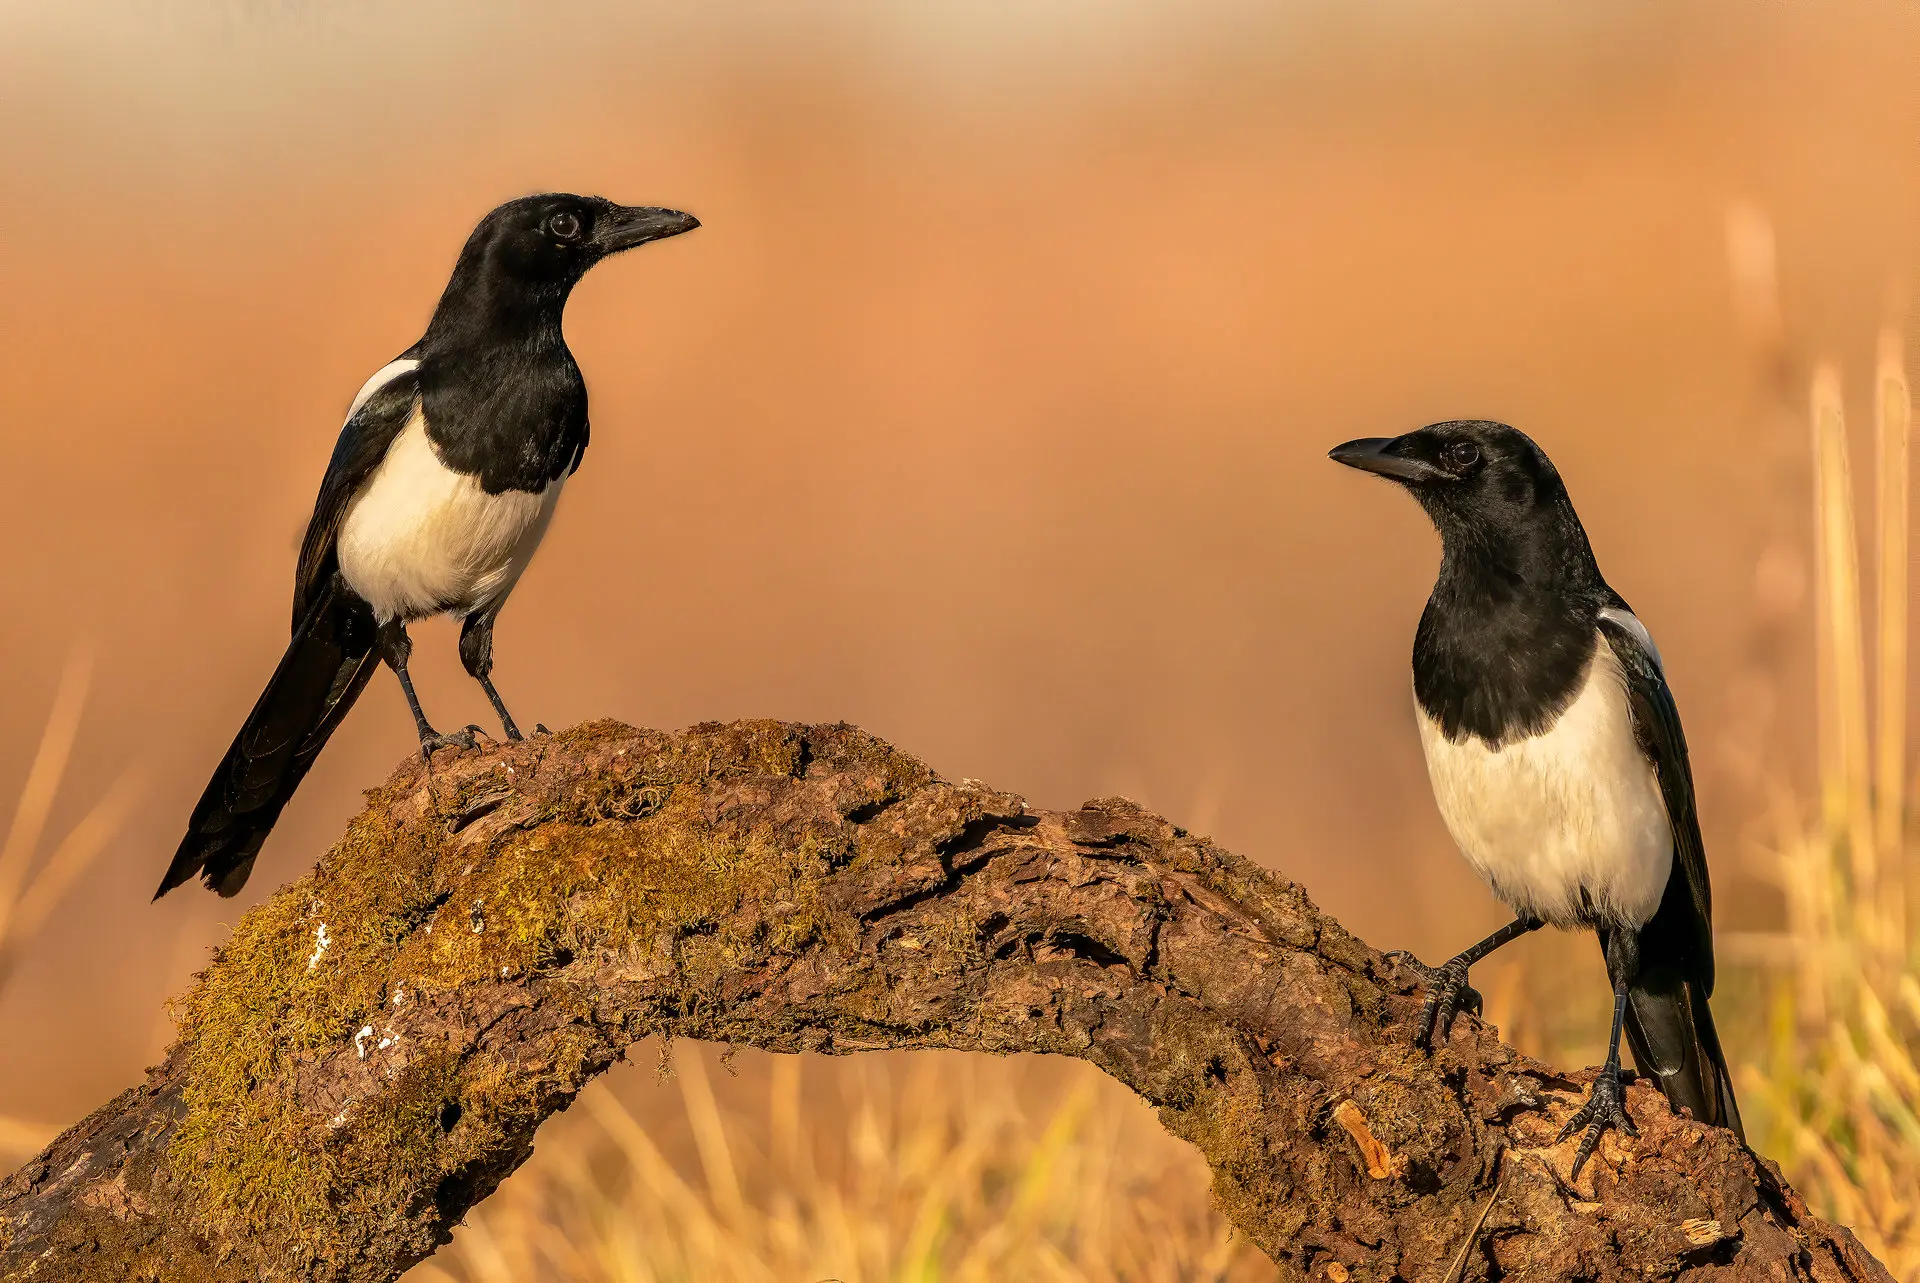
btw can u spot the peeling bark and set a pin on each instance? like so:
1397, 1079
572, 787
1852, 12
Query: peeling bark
501, 930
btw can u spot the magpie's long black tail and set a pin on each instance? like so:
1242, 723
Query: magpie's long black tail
326, 666
1670, 1029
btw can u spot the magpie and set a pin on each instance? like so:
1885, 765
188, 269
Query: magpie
1556, 757
440, 487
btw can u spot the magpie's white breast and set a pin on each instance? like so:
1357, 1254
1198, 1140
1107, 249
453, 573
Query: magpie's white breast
421, 538
1567, 825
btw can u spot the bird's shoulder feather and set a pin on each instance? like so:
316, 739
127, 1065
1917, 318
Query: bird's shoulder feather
374, 420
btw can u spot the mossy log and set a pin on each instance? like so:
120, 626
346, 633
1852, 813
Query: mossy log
373, 1050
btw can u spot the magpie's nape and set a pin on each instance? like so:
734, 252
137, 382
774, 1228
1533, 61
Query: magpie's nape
1557, 759
440, 487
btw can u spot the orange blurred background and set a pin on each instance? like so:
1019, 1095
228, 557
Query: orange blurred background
988, 410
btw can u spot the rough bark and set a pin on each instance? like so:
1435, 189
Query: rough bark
372, 1051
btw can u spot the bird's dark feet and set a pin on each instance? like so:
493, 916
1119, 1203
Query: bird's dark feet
432, 741
513, 732
1606, 1107
540, 728
1448, 994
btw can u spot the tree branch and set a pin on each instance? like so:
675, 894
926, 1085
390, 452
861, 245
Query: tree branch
372, 1051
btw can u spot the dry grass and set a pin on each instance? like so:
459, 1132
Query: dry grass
30, 889
1822, 1013
1835, 1088
936, 1167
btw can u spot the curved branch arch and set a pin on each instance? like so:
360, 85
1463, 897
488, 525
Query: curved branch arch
372, 1051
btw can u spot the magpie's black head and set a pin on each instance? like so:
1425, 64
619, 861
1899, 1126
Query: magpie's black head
552, 239
1473, 477
523, 260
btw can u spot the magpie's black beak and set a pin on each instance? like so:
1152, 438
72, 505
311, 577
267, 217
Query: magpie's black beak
1378, 454
625, 226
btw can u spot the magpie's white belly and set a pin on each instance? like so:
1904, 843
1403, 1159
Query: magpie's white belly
1569, 825
421, 538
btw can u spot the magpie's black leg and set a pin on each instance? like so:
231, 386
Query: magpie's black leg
1607, 1105
396, 647
476, 652
1447, 989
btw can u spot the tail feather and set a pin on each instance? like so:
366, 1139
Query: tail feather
325, 668
1670, 1028
1710, 1044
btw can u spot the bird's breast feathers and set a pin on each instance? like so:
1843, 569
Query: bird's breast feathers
1567, 825
421, 538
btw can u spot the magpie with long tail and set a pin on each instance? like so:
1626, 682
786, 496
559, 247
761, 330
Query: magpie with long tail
1557, 759
438, 492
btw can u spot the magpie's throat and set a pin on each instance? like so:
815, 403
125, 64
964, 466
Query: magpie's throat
502, 396
1507, 634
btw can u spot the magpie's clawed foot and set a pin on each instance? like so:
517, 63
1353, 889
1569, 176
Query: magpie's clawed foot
1448, 994
432, 741
1606, 1107
540, 728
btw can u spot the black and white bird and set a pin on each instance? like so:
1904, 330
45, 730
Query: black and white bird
1556, 757
443, 482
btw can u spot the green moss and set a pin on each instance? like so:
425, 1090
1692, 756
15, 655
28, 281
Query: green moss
953, 939
393, 1150
770, 748
624, 865
245, 1142
617, 797
587, 736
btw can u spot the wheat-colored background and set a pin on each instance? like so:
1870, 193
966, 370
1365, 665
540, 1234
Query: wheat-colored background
988, 410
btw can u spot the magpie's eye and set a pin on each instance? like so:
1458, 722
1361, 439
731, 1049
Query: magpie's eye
564, 226
1461, 455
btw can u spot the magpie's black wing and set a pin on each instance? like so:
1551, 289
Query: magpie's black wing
1668, 1021
1656, 725
376, 418
326, 665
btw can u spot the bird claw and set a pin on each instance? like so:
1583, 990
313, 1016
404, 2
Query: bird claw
433, 741
540, 728
1606, 1107
1448, 994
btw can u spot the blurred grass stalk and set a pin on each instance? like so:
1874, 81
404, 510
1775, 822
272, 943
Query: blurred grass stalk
28, 893
1836, 1087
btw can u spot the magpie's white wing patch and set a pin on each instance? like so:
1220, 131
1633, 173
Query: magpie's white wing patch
1568, 825
381, 377
379, 411
1631, 622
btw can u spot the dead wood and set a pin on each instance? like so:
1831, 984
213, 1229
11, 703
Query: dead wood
373, 1050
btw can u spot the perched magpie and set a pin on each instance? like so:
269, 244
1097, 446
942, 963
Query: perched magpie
1557, 759
439, 490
